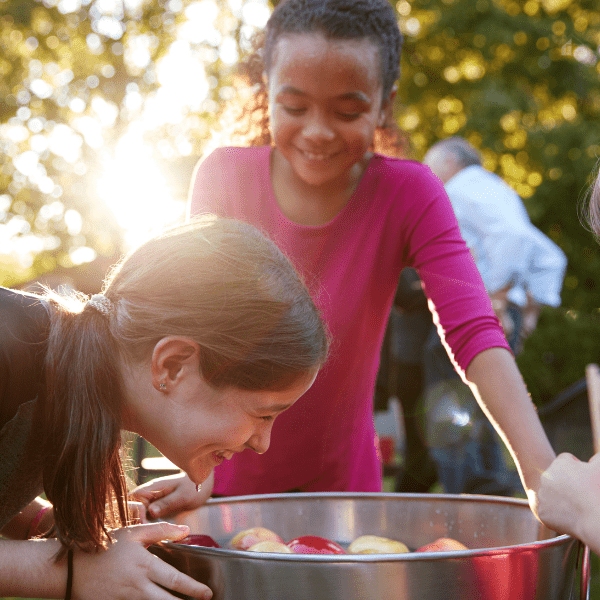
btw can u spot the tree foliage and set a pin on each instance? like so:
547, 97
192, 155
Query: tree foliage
75, 76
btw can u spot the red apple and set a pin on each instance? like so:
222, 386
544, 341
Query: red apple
244, 539
199, 540
442, 545
269, 546
313, 544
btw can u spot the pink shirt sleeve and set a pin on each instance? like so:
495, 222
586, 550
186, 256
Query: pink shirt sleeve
460, 304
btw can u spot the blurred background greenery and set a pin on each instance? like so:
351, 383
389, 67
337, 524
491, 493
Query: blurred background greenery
106, 105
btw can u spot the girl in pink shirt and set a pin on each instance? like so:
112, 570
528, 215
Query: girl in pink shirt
350, 219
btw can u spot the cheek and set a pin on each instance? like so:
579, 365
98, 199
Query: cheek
234, 431
279, 125
361, 137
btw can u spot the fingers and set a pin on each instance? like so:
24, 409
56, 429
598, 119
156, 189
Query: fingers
173, 503
137, 511
171, 579
151, 491
153, 533
182, 496
166, 495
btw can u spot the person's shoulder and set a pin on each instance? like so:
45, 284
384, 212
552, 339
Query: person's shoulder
22, 301
18, 299
404, 171
235, 155
397, 164
22, 314
479, 176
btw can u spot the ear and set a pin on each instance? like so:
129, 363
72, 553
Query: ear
387, 108
172, 358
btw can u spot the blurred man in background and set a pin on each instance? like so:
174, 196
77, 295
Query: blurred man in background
522, 270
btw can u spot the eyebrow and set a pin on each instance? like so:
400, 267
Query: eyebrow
288, 89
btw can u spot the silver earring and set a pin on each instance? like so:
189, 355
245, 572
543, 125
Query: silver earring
163, 386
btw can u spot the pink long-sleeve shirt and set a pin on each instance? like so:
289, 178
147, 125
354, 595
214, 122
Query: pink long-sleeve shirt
398, 216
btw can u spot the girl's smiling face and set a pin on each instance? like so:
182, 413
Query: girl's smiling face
325, 102
195, 425
216, 424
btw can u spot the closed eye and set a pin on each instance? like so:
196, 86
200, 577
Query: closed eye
291, 110
348, 116
268, 419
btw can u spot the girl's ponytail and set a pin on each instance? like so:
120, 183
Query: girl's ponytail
82, 471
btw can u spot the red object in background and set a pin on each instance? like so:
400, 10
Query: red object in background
313, 544
387, 449
199, 540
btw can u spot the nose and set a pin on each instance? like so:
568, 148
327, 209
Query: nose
260, 439
317, 127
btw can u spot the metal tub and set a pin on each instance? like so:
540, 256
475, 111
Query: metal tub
511, 557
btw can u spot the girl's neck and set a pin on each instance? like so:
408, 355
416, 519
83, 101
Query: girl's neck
306, 204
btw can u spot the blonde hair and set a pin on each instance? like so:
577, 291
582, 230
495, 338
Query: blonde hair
218, 281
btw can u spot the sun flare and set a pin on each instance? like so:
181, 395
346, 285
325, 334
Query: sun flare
134, 187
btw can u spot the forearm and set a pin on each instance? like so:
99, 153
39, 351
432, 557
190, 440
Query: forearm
28, 569
501, 392
29, 522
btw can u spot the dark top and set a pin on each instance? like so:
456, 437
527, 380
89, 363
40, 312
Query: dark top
24, 324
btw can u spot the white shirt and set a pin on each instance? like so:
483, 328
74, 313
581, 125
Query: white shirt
506, 246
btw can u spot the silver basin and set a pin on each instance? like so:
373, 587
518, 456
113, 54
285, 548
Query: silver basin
511, 557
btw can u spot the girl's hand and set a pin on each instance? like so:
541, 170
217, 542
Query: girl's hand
127, 571
569, 498
170, 495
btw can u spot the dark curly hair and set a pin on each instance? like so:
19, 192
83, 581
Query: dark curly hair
374, 20
345, 20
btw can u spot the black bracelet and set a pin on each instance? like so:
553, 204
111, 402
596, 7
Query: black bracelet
69, 574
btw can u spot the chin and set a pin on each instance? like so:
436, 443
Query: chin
199, 470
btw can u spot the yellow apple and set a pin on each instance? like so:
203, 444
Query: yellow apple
248, 537
270, 546
374, 544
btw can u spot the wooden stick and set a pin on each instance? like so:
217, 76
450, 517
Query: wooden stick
592, 375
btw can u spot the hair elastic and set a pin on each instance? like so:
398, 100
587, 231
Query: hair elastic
102, 304
69, 574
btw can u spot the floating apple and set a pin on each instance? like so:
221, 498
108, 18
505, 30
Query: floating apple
442, 545
244, 539
269, 546
199, 540
313, 544
374, 544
